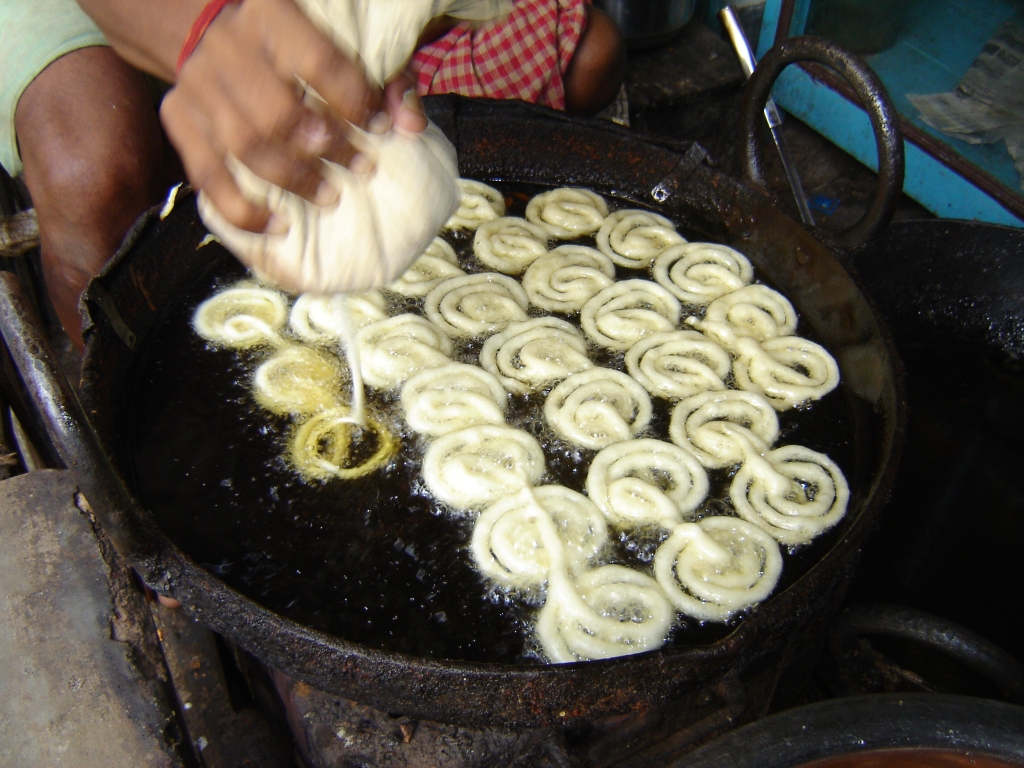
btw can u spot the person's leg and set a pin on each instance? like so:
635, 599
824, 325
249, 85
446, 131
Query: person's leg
597, 67
93, 156
565, 54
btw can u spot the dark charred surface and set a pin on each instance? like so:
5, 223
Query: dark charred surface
508, 141
952, 292
341, 732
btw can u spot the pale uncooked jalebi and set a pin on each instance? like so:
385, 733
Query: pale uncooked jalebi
597, 407
392, 350
698, 273
603, 613
678, 364
786, 370
244, 315
588, 614
724, 427
623, 313
568, 212
508, 545
794, 493
635, 238
476, 306
646, 482
509, 244
756, 311
564, 279
440, 248
322, 447
452, 397
533, 354
437, 264
316, 319
715, 568
477, 203
476, 466
297, 379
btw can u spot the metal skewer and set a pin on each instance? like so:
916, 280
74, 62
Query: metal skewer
771, 113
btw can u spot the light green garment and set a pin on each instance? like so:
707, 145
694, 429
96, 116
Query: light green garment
34, 33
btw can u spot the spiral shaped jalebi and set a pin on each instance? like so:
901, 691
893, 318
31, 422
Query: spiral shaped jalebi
786, 370
241, 316
754, 310
528, 356
477, 305
678, 364
564, 279
509, 244
316, 319
713, 569
440, 248
635, 238
597, 407
323, 446
794, 493
606, 612
437, 264
477, 203
297, 379
623, 313
646, 482
724, 427
452, 397
476, 466
698, 273
568, 212
508, 545
544, 541
392, 350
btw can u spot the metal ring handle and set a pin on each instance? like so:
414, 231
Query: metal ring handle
952, 640
872, 95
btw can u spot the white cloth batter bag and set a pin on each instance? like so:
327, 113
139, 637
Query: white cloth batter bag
386, 218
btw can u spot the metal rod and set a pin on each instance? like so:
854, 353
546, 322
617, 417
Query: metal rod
67, 425
771, 113
785, 21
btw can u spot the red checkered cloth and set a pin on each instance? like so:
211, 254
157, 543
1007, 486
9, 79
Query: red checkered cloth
522, 56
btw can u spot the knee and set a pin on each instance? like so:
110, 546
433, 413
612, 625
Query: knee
91, 149
95, 184
597, 67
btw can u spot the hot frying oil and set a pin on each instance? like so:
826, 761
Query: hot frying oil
373, 560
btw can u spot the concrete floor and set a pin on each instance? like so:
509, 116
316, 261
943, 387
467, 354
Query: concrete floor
79, 685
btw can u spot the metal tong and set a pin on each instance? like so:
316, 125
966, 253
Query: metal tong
771, 113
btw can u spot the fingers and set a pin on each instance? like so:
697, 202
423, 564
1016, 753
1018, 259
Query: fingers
240, 94
338, 79
402, 103
203, 159
263, 122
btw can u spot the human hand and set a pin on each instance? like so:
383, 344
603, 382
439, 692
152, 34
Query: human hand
240, 94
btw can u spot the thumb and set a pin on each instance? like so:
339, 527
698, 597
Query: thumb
403, 104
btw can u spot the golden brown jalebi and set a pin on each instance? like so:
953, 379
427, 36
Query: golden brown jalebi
322, 447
